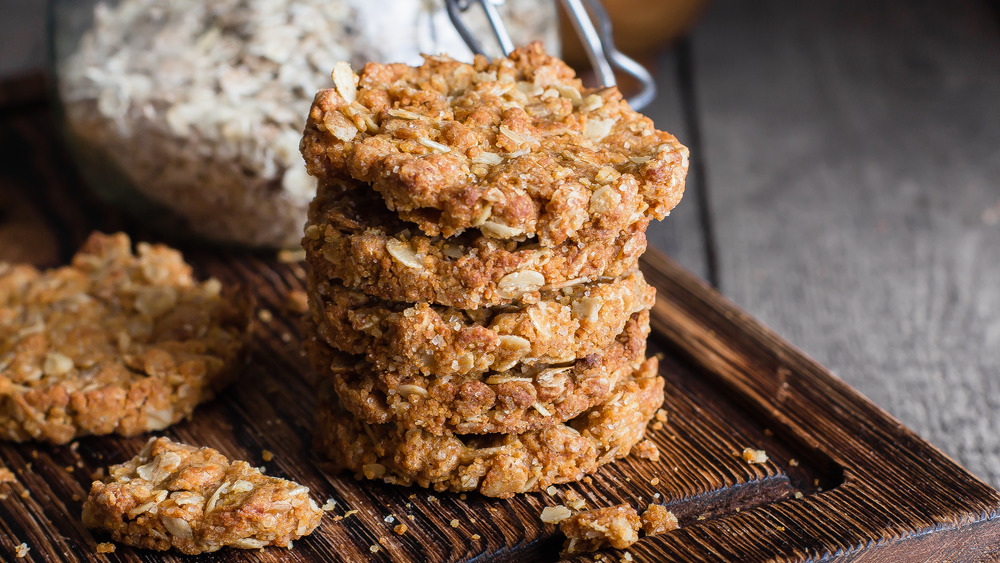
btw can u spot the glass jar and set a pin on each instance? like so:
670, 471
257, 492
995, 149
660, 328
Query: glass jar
188, 113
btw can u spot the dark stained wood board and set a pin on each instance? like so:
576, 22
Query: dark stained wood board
852, 150
871, 489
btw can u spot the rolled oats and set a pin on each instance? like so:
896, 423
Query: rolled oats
201, 104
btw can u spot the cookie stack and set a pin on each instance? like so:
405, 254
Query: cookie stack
478, 321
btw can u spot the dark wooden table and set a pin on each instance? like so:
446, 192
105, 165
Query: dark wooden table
845, 190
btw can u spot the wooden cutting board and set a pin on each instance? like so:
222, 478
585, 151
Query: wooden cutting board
844, 482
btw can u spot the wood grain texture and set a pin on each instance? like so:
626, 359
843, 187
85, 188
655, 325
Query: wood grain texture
896, 491
853, 153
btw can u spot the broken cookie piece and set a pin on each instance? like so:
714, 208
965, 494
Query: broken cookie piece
657, 519
114, 343
197, 501
615, 526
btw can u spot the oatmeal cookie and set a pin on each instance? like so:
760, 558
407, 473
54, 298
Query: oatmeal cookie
197, 501
424, 339
512, 401
497, 465
351, 237
113, 343
516, 148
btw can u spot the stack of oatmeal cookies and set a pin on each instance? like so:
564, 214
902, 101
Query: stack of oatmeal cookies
478, 321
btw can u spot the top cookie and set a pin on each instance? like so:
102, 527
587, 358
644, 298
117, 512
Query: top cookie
515, 147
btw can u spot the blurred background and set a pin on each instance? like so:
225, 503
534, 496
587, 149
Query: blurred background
844, 189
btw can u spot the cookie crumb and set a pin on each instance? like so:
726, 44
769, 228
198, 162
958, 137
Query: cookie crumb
654, 481
22, 550
798, 494
287, 256
267, 455
329, 505
453, 523
656, 519
265, 315
350, 513
296, 301
661, 415
105, 547
646, 449
551, 490
476, 537
373, 548
574, 500
555, 514
753, 456
793, 462
400, 529
7, 476
615, 526
627, 556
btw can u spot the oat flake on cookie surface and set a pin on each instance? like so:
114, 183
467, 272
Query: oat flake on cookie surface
197, 501
516, 148
114, 343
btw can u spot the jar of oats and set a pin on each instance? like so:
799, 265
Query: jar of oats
188, 113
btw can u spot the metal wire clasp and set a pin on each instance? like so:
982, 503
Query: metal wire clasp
592, 24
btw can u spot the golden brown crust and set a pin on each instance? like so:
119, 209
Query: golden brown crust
515, 147
351, 237
196, 501
114, 343
512, 401
406, 339
496, 465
